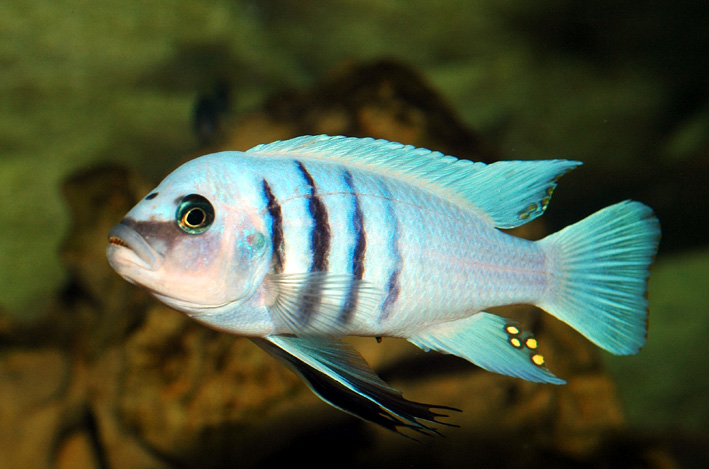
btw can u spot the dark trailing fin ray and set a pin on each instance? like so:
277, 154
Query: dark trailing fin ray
339, 375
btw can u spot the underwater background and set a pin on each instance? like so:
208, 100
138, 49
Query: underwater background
100, 100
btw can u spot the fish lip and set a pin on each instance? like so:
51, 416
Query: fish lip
123, 237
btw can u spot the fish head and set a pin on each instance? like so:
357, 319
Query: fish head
192, 242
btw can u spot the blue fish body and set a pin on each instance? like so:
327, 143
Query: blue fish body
299, 242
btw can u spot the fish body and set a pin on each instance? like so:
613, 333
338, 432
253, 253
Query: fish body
300, 242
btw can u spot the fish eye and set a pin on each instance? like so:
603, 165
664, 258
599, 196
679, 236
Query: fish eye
194, 214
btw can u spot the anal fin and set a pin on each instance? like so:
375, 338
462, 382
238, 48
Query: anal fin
491, 342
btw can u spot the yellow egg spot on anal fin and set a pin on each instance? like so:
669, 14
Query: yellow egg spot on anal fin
531, 343
538, 359
512, 330
516, 343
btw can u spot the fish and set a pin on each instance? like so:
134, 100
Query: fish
299, 243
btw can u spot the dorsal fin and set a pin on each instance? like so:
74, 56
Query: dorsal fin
509, 193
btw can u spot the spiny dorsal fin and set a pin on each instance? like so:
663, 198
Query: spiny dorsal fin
509, 193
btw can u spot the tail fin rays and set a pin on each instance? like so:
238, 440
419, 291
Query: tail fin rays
599, 269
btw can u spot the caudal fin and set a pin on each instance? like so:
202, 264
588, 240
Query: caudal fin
599, 270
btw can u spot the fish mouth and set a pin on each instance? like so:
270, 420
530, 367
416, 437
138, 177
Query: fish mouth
134, 247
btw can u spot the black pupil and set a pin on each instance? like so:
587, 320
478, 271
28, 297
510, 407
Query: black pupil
195, 217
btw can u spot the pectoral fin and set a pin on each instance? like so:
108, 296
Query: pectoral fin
491, 342
313, 302
339, 375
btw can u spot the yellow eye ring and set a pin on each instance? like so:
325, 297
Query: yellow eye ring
194, 218
194, 214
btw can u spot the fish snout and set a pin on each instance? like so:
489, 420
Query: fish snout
125, 244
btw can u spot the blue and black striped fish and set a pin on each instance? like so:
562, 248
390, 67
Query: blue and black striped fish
298, 243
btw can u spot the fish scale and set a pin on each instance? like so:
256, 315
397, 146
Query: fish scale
300, 242
464, 267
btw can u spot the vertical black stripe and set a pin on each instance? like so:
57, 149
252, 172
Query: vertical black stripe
274, 210
320, 233
360, 249
393, 285
319, 244
392, 292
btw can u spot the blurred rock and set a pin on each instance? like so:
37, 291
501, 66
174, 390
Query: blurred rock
109, 378
383, 99
31, 404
